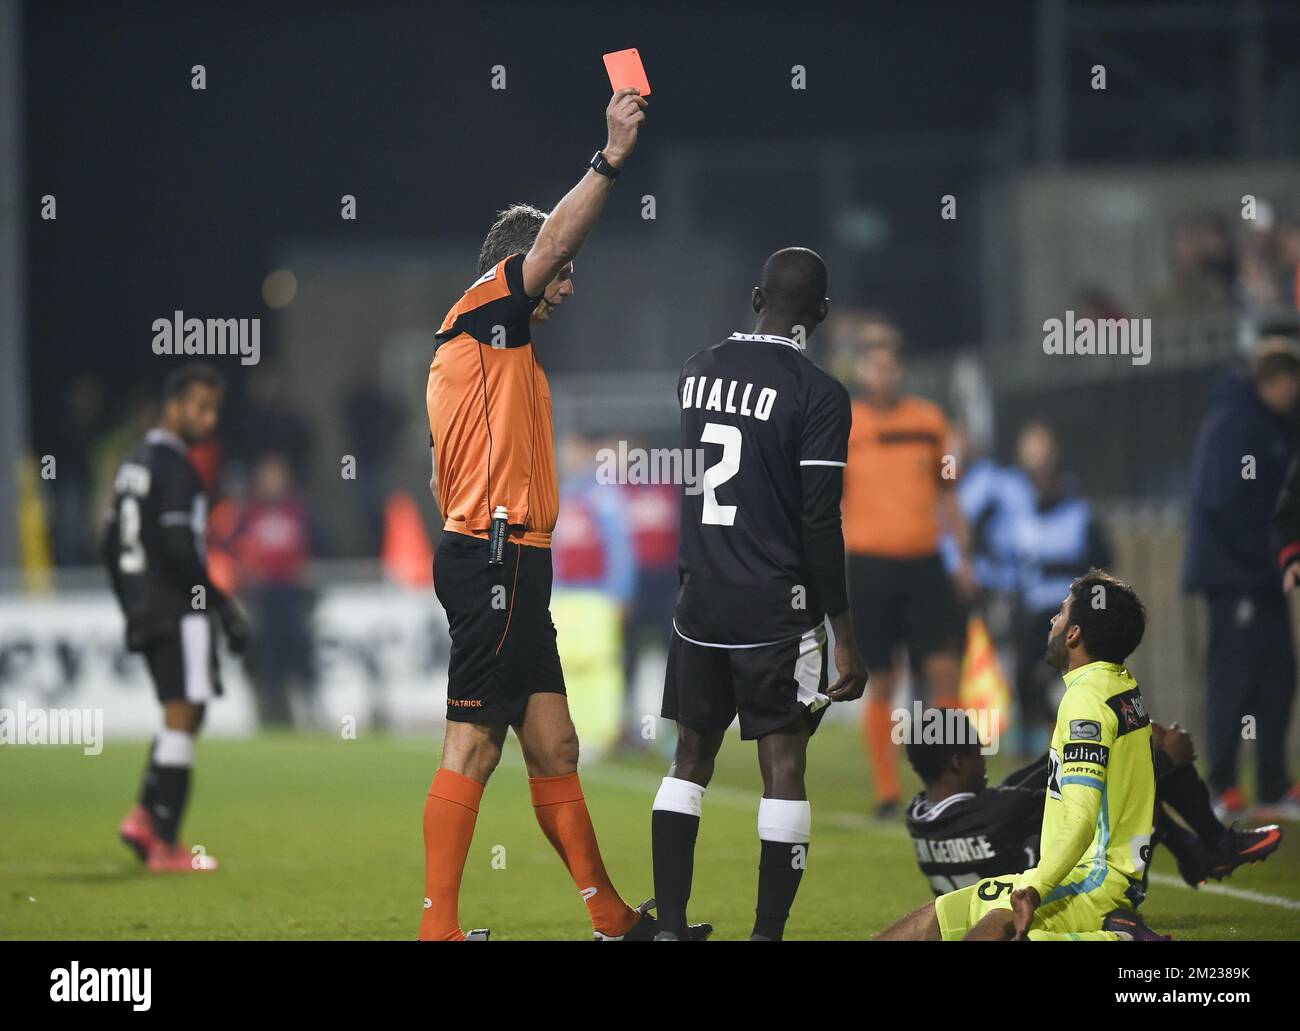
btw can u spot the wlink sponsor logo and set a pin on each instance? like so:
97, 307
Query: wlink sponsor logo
1083, 752
1087, 336
37, 726
208, 338
637, 465
923, 726
103, 984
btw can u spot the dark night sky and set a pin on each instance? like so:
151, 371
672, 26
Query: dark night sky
171, 198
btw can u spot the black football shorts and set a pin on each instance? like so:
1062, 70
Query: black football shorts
769, 686
183, 663
502, 636
903, 602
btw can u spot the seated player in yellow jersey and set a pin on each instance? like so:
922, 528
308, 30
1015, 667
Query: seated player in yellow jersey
1101, 796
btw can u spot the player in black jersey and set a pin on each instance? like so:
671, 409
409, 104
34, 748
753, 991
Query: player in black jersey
965, 831
761, 566
155, 552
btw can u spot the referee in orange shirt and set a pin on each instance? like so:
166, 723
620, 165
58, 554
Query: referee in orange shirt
897, 503
493, 452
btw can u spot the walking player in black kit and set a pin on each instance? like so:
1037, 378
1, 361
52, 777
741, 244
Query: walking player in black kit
761, 566
154, 549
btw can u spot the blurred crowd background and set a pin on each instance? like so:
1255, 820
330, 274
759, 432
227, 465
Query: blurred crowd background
967, 170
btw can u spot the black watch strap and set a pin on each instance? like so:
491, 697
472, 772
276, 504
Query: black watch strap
599, 164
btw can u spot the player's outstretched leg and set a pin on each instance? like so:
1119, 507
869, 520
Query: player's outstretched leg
1213, 850
550, 746
470, 752
921, 925
675, 823
784, 827
995, 926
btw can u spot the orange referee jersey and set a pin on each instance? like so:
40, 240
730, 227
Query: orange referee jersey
490, 412
893, 479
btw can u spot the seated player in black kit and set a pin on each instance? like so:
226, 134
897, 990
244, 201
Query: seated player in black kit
964, 831
154, 548
762, 566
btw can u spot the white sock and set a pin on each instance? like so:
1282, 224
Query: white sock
173, 748
680, 796
784, 820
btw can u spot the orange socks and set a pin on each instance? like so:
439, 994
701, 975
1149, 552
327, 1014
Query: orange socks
564, 820
880, 746
449, 817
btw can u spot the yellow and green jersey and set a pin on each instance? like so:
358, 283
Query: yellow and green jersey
1101, 790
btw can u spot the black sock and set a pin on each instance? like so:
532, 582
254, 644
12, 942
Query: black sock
1183, 791
1181, 842
149, 785
672, 837
780, 868
171, 792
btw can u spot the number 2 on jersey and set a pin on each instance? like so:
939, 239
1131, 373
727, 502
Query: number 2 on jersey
720, 472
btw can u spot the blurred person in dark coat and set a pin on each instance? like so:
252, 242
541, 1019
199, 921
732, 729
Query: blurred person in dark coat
1286, 529
1242, 451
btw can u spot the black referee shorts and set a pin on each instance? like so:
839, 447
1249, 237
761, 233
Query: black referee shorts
903, 601
769, 686
183, 663
502, 636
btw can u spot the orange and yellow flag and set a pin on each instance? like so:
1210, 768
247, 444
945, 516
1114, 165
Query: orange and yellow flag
983, 684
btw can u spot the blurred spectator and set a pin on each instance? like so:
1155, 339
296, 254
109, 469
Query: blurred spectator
653, 514
595, 581
374, 420
983, 490
1270, 253
273, 545
1096, 302
1052, 536
71, 488
592, 543
1204, 270
898, 497
1242, 451
223, 528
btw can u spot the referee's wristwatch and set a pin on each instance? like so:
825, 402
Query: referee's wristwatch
599, 164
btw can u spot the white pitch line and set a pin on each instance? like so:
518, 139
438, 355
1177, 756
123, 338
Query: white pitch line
1245, 894
734, 798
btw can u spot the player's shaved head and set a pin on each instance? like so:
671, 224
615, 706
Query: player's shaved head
794, 279
792, 288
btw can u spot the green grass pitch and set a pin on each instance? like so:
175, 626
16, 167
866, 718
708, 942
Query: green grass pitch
321, 838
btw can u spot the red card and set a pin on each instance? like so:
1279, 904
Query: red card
625, 69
